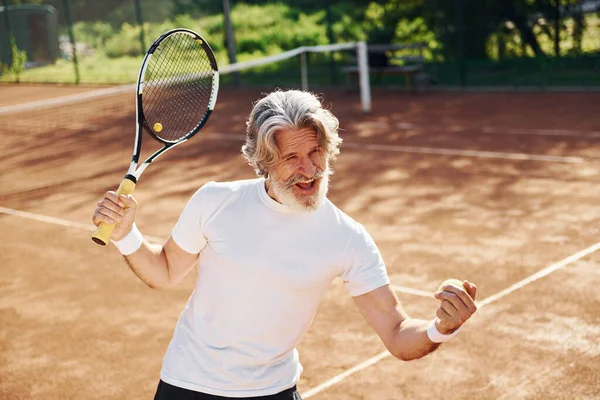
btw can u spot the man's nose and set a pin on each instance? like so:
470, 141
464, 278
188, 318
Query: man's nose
307, 168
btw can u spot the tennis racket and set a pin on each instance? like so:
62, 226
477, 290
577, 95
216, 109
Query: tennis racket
176, 92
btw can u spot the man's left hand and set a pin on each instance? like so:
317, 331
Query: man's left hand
457, 306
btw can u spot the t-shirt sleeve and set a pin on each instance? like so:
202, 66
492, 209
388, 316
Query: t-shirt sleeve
188, 233
363, 269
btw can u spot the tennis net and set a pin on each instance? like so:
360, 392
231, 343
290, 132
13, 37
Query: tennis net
305, 67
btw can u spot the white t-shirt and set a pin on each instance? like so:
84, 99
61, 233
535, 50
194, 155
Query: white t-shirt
262, 272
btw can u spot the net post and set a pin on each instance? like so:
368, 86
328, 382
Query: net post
303, 72
363, 76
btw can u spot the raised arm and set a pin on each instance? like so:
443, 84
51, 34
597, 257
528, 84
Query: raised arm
406, 338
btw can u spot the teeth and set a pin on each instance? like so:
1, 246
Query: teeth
305, 183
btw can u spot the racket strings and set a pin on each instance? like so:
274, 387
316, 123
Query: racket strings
165, 103
181, 102
178, 84
201, 99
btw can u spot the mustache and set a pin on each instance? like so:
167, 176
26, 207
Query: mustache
319, 174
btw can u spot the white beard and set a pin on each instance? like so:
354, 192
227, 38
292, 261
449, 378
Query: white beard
297, 202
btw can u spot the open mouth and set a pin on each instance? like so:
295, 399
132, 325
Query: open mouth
306, 186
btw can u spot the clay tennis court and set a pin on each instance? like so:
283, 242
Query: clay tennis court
498, 188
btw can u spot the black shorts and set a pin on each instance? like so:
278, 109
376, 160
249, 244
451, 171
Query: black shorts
170, 392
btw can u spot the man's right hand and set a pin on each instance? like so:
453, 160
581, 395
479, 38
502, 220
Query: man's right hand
119, 209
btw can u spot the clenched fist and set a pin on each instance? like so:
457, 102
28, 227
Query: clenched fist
457, 304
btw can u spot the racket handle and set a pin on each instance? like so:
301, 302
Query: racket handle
102, 234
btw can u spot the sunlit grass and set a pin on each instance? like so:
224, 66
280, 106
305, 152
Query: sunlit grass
95, 69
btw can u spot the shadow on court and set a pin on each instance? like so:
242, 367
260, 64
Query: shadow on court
72, 310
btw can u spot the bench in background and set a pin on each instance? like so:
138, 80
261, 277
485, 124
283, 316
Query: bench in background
382, 63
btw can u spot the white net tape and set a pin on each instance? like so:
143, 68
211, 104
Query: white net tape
76, 110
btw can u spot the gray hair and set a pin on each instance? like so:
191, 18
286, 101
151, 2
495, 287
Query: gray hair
283, 110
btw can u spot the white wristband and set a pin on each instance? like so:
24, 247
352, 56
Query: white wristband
436, 337
131, 242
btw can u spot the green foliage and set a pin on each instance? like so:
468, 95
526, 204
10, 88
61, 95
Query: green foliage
125, 43
493, 30
381, 19
94, 34
196, 8
417, 31
345, 29
259, 31
210, 28
19, 58
578, 37
262, 30
377, 25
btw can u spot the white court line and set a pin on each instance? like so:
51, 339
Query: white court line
435, 150
465, 153
69, 99
343, 375
540, 132
501, 130
90, 227
62, 222
540, 274
338, 378
415, 292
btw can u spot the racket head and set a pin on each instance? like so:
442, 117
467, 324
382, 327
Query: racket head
177, 86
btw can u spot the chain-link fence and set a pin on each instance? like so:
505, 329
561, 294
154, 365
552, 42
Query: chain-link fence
70, 41
520, 43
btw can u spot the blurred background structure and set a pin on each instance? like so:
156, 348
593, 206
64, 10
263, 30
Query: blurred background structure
456, 43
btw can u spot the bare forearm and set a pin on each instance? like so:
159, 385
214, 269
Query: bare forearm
157, 266
149, 263
410, 340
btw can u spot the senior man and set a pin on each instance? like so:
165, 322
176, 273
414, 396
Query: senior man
266, 250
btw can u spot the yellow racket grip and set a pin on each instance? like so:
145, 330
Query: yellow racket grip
102, 234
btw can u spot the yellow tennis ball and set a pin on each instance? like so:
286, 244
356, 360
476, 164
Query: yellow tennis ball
455, 282
157, 127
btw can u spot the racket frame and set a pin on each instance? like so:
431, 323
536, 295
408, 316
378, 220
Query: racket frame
127, 186
134, 171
